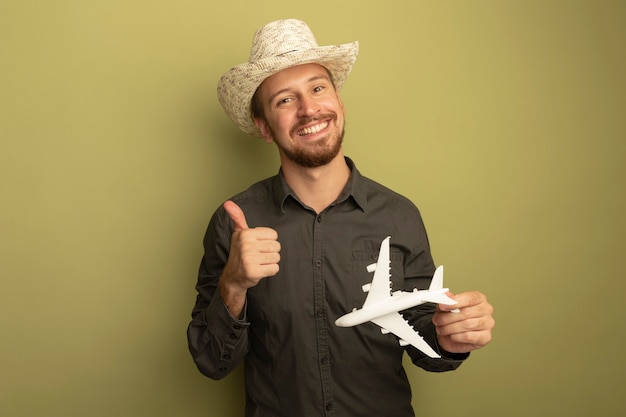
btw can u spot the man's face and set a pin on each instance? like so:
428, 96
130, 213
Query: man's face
302, 114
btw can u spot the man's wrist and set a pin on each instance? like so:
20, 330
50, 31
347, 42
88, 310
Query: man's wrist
234, 298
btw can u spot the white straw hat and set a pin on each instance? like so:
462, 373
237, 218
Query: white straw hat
276, 46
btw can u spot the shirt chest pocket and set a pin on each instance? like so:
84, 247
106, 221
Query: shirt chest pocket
361, 277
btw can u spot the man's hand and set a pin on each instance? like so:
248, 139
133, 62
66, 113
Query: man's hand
467, 330
254, 255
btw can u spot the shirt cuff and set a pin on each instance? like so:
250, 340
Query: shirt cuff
444, 353
223, 324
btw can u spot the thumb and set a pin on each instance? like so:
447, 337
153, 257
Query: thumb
236, 214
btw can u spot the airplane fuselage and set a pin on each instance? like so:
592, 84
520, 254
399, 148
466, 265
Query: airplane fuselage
398, 301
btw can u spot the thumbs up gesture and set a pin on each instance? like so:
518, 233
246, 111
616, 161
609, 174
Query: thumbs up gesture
254, 255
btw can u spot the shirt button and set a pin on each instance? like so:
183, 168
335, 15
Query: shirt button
329, 406
324, 360
320, 313
319, 219
318, 263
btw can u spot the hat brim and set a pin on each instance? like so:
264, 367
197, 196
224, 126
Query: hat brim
236, 88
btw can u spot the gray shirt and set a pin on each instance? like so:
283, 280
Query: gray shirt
297, 362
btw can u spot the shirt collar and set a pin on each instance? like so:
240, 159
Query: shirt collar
355, 188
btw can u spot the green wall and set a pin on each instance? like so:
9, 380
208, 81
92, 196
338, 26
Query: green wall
503, 121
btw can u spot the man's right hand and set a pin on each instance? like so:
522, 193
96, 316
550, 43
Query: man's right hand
254, 255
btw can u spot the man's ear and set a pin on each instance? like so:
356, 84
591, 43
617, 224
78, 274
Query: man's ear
261, 124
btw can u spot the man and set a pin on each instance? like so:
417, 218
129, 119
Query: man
287, 257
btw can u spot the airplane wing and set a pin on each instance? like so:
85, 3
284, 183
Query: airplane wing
381, 283
395, 323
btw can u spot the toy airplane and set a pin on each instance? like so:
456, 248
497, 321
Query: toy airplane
382, 307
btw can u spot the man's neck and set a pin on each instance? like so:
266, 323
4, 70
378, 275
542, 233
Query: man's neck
317, 187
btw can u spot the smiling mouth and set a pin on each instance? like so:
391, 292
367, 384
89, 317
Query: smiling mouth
313, 129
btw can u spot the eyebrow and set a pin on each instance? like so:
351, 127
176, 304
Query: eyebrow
310, 80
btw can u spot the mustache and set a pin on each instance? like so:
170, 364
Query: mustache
306, 120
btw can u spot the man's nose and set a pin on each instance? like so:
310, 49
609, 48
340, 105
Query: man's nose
308, 107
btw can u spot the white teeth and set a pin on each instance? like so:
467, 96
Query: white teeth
313, 129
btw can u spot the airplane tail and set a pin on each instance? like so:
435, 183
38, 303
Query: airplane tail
439, 299
437, 281
436, 292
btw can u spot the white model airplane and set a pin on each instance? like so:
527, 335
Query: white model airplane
382, 307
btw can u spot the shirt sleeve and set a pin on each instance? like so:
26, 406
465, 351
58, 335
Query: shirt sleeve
217, 340
419, 268
421, 317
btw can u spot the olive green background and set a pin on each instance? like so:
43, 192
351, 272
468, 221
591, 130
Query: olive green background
502, 120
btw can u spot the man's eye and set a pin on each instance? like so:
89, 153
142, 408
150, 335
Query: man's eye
318, 88
285, 100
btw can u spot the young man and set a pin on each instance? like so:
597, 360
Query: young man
287, 257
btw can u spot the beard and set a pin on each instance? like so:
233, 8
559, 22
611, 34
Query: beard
315, 154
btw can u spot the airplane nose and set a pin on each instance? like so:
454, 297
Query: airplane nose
341, 322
